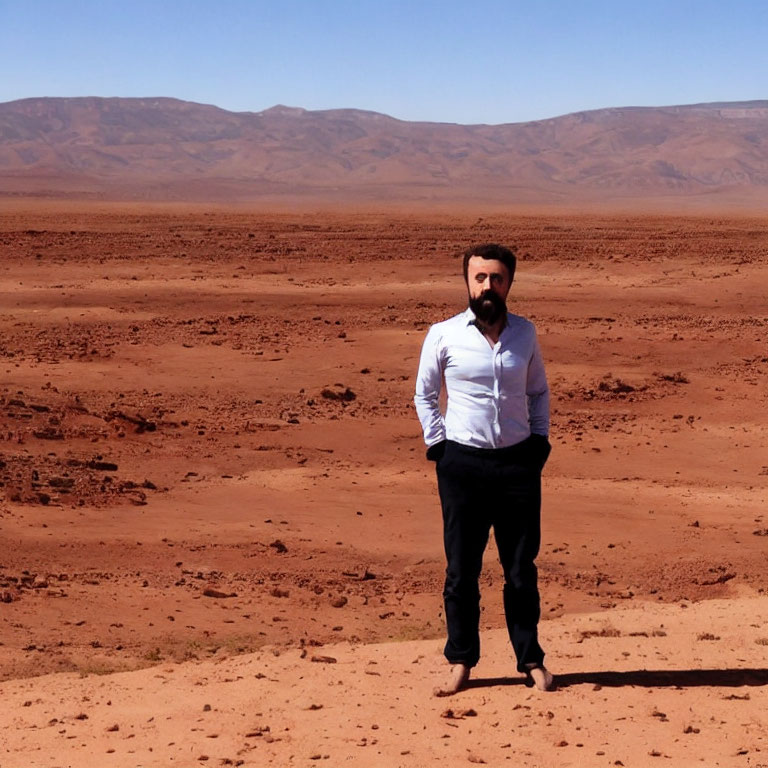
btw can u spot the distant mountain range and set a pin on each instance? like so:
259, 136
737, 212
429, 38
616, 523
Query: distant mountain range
165, 149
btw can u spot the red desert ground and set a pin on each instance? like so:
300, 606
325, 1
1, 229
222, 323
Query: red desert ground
221, 542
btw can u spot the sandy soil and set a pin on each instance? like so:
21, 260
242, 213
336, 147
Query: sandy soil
212, 474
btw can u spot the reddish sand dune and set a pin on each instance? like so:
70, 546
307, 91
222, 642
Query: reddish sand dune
209, 449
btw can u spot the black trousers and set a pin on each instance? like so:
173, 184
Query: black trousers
479, 489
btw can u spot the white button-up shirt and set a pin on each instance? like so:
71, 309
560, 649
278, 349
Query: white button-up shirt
497, 395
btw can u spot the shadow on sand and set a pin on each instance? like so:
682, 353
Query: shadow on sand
648, 678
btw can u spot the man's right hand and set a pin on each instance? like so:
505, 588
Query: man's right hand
435, 452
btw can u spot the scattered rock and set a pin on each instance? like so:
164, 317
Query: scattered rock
142, 425
719, 578
452, 714
105, 466
345, 395
362, 574
211, 592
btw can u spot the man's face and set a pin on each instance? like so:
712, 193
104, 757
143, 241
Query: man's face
488, 283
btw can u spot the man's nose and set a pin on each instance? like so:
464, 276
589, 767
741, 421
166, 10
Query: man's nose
486, 284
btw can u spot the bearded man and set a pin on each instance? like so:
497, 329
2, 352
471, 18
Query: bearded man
489, 449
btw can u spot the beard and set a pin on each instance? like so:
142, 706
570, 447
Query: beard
488, 307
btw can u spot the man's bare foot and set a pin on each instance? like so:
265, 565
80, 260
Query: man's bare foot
540, 677
458, 678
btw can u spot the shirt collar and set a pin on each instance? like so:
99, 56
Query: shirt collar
470, 318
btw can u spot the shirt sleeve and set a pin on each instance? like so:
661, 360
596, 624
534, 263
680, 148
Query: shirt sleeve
429, 382
537, 390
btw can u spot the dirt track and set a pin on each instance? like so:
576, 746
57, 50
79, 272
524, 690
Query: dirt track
209, 444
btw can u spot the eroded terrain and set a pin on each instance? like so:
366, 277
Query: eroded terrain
209, 445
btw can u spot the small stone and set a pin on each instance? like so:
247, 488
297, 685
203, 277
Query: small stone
211, 592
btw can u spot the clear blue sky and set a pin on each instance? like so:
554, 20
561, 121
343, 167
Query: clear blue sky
465, 61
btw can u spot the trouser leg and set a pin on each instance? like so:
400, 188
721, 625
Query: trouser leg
517, 529
465, 535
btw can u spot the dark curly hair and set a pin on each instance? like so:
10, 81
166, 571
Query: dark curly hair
491, 251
